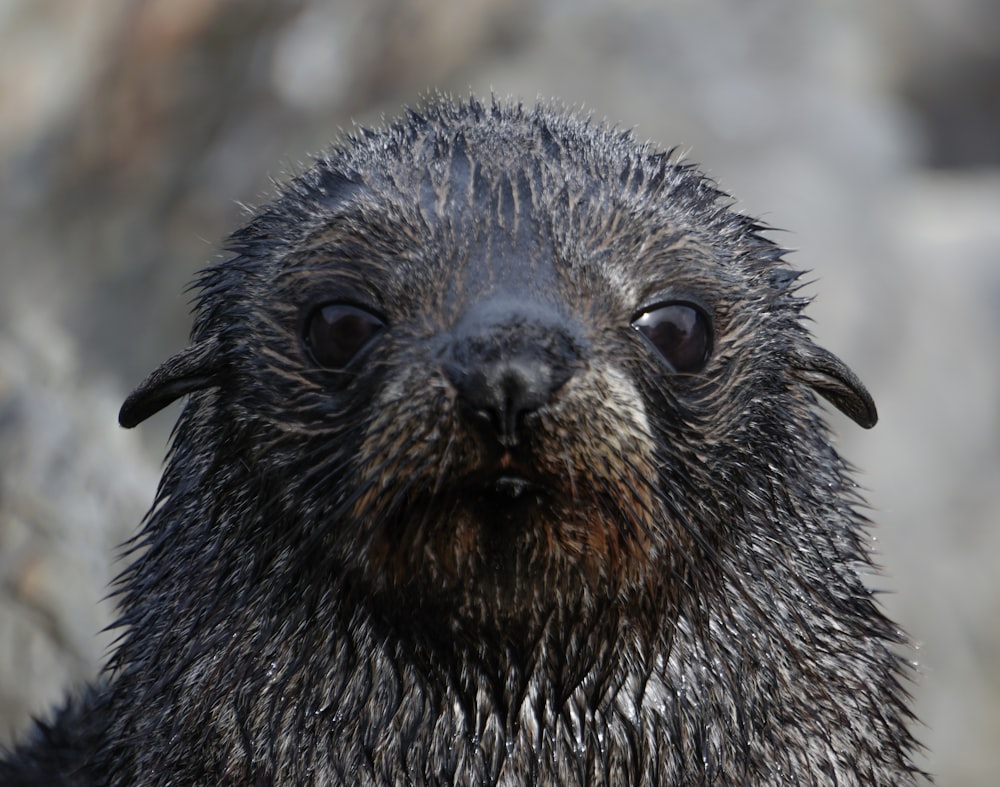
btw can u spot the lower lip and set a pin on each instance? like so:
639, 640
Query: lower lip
512, 486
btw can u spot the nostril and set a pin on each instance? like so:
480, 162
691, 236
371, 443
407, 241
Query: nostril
498, 396
521, 388
506, 357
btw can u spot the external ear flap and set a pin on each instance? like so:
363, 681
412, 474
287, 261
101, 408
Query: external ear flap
190, 370
829, 376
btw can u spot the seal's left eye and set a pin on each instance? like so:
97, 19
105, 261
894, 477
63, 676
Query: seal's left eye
681, 332
336, 332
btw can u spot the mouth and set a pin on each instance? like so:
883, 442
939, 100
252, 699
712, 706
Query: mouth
505, 485
512, 486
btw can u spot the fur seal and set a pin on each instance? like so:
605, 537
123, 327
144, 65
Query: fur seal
501, 464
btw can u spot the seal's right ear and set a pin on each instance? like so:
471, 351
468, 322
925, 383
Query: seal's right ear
190, 370
829, 376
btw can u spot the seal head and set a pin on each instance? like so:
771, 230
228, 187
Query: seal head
502, 464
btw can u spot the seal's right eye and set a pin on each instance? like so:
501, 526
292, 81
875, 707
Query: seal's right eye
336, 332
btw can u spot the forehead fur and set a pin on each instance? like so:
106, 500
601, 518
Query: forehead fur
443, 141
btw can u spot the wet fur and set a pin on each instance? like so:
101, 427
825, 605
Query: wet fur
319, 598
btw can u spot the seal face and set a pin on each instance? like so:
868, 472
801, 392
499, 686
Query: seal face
501, 464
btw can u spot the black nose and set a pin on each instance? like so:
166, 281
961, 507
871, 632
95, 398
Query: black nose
506, 361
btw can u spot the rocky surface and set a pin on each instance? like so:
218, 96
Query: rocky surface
133, 131
71, 490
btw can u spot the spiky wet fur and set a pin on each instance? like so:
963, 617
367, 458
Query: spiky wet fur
316, 600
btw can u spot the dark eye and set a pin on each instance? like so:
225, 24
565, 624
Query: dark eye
681, 332
335, 333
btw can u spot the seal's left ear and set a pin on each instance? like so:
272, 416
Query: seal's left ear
829, 376
190, 370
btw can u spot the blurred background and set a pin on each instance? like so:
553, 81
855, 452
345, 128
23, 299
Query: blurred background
131, 134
